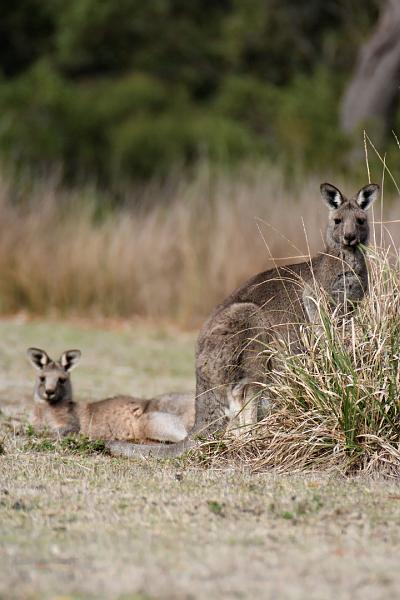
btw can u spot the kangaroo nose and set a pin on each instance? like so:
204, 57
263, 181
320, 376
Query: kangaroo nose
349, 238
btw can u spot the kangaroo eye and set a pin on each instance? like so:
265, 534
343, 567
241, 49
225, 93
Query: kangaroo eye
63, 381
42, 379
360, 221
337, 221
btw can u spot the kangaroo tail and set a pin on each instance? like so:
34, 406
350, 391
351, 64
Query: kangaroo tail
130, 450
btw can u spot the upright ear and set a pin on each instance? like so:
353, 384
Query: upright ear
38, 357
332, 196
367, 195
70, 359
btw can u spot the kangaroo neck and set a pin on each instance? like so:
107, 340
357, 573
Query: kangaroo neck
77, 411
352, 256
67, 413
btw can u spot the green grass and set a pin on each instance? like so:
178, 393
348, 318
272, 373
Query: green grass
72, 444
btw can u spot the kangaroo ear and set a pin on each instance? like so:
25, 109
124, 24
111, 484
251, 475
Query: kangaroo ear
38, 357
70, 359
367, 195
332, 196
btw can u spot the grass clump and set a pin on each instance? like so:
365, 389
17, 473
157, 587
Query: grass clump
72, 444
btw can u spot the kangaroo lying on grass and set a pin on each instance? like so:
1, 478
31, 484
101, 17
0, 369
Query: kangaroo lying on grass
166, 418
273, 304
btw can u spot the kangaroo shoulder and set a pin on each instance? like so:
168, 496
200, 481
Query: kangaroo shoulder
226, 320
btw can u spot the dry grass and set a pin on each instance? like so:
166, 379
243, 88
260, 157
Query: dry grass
79, 524
94, 527
196, 241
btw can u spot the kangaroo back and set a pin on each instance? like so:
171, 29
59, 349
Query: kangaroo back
124, 418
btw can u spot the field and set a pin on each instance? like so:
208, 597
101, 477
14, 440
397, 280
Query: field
75, 523
153, 158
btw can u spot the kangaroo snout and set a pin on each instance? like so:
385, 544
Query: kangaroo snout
350, 239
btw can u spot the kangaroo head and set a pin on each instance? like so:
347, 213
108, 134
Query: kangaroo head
348, 220
53, 382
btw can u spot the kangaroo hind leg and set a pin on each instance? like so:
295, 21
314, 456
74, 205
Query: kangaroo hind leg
242, 400
165, 427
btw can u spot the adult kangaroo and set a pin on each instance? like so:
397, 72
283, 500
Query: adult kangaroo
273, 303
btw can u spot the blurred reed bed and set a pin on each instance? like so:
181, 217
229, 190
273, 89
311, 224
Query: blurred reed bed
174, 259
172, 256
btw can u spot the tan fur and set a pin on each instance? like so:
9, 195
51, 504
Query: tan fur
165, 418
121, 418
235, 349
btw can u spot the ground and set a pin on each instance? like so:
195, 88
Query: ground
85, 525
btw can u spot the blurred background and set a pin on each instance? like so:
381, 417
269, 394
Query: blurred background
151, 152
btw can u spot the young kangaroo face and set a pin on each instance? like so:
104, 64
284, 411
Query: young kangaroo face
53, 384
348, 221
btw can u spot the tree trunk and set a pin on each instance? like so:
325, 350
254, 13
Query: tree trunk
372, 94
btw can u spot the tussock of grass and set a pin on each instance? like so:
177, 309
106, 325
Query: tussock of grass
335, 404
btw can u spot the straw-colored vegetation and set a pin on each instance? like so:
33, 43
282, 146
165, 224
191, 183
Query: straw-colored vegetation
176, 259
76, 523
